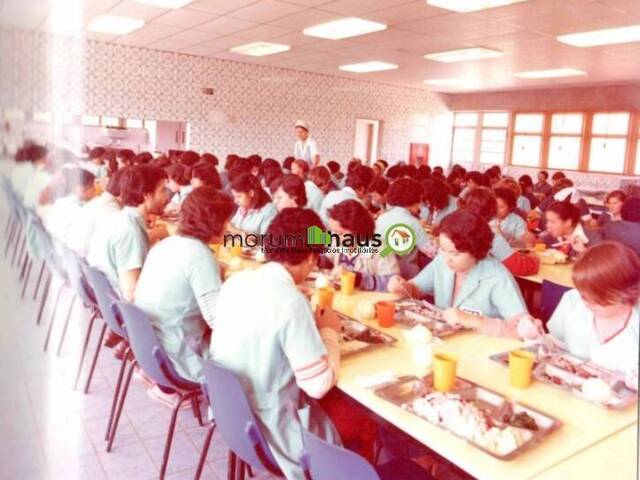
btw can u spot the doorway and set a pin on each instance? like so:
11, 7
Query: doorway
367, 141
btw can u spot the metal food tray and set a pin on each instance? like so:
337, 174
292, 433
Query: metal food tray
356, 337
494, 405
547, 371
412, 312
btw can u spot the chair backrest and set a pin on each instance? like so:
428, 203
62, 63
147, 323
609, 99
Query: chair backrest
45, 245
147, 349
324, 461
72, 263
551, 295
105, 297
234, 419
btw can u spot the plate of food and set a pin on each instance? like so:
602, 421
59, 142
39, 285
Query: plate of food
411, 312
482, 417
356, 337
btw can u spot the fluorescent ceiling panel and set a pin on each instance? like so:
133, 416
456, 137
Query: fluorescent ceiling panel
165, 3
260, 49
114, 24
609, 36
344, 28
464, 55
365, 67
471, 5
553, 73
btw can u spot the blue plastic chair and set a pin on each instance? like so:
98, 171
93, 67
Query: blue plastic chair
151, 357
237, 424
551, 294
324, 461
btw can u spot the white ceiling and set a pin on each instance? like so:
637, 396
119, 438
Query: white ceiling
525, 32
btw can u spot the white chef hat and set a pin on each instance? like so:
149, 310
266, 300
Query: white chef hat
302, 124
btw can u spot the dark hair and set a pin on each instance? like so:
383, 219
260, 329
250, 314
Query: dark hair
631, 210
240, 167
247, 183
557, 175
562, 183
380, 185
354, 217
468, 231
436, 192
320, 175
394, 171
482, 202
494, 171
507, 196
207, 173
113, 186
138, 181
34, 152
110, 160
545, 173
268, 163
566, 211
384, 162
96, 152
410, 171
360, 177
179, 173
438, 169
293, 186
271, 175
333, 166
526, 182
286, 238
189, 158
161, 162
204, 213
609, 274
353, 164
302, 165
209, 158
231, 159
126, 155
404, 192
619, 194
142, 158
286, 164
477, 178
255, 160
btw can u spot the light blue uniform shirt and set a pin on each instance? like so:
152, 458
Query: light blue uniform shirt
523, 204
513, 227
119, 244
500, 248
335, 197
435, 219
254, 221
177, 272
489, 288
314, 196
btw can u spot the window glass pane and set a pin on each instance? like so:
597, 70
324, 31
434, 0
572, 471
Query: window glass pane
466, 119
526, 150
566, 123
134, 123
463, 145
110, 121
492, 146
564, 153
91, 120
529, 122
495, 119
610, 123
492, 158
607, 154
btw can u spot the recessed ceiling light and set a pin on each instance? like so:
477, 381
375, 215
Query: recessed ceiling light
445, 82
260, 49
470, 5
114, 24
166, 3
344, 28
464, 55
553, 73
368, 67
609, 36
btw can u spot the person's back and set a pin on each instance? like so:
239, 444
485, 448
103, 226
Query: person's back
624, 232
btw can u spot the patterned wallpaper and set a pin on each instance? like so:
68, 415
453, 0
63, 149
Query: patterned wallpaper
253, 109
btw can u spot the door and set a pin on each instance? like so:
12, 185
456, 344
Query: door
419, 154
367, 140
171, 135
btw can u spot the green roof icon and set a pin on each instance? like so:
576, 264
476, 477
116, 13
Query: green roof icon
317, 236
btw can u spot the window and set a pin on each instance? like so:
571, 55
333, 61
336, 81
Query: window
565, 141
494, 138
527, 139
134, 123
110, 121
609, 142
464, 137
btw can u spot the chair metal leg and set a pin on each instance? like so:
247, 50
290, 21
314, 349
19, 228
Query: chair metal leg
40, 275
205, 451
231, 466
195, 406
116, 393
123, 397
16, 245
241, 470
26, 278
172, 429
12, 234
9, 221
85, 346
66, 325
95, 358
24, 260
53, 317
45, 296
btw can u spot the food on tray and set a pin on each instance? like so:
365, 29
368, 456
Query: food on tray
596, 390
466, 419
418, 335
366, 310
521, 420
356, 336
551, 257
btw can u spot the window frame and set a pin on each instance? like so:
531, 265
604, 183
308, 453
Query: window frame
580, 136
544, 146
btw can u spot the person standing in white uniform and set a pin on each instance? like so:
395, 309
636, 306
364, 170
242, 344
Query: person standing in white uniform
305, 147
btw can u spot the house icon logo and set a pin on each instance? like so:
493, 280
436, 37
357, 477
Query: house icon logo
399, 239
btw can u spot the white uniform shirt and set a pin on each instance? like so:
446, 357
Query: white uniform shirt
334, 198
61, 215
180, 196
573, 324
314, 196
306, 150
254, 221
84, 224
36, 184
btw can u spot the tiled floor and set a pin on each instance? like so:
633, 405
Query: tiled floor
50, 431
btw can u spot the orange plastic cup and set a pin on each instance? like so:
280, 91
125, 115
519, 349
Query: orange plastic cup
444, 372
325, 297
539, 247
385, 313
347, 282
520, 368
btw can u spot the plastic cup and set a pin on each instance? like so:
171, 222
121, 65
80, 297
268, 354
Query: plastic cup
385, 313
444, 372
539, 247
520, 368
235, 250
347, 282
325, 297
